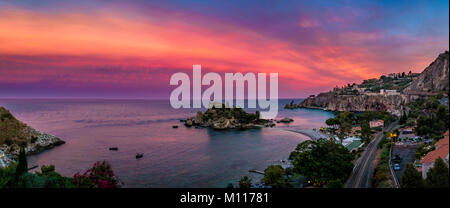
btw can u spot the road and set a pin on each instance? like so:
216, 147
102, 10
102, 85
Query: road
362, 172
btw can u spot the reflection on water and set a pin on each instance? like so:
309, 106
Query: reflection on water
182, 157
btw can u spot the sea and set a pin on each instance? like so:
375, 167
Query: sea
173, 157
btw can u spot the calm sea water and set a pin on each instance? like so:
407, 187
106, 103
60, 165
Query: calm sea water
183, 157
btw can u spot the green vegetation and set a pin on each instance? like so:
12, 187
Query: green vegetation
375, 115
382, 175
335, 183
411, 178
227, 118
366, 132
343, 121
100, 175
322, 162
22, 166
238, 113
276, 177
399, 82
16, 175
10, 129
437, 176
245, 182
422, 150
429, 116
13, 177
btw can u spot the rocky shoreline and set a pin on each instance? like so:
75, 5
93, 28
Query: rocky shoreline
39, 142
14, 134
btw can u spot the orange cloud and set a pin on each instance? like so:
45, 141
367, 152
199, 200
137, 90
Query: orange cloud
112, 38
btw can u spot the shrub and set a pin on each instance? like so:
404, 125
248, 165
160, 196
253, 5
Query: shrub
100, 175
336, 183
29, 180
245, 182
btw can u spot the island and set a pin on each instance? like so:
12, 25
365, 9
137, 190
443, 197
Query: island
228, 118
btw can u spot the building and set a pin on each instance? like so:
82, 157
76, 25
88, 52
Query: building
441, 151
371, 93
392, 75
376, 123
389, 92
408, 133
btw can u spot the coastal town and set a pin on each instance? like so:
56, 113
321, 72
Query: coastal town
382, 135
396, 128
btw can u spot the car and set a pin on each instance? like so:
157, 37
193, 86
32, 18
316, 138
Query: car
396, 166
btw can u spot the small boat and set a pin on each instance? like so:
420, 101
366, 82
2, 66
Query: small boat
113, 148
139, 155
175, 126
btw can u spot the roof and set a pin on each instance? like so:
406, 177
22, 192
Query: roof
440, 151
442, 142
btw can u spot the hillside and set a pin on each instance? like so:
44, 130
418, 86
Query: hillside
387, 93
14, 133
434, 77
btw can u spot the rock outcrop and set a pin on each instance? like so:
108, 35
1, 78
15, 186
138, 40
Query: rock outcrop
333, 102
14, 133
228, 118
434, 77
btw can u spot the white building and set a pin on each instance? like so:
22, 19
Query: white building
389, 92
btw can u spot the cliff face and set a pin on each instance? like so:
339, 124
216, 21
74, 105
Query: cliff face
390, 103
319, 101
333, 102
434, 77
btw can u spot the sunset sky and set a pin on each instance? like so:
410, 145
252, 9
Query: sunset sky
113, 49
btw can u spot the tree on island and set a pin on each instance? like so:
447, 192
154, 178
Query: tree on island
411, 178
322, 161
245, 182
437, 176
